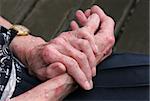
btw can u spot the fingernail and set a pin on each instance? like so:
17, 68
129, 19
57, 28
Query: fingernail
87, 85
94, 71
91, 83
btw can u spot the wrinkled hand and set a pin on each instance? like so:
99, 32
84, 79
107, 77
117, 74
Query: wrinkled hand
52, 90
72, 51
75, 49
104, 37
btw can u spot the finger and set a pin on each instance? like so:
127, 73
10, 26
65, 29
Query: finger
81, 17
50, 55
85, 47
87, 13
92, 23
107, 23
74, 25
55, 69
75, 71
51, 71
83, 33
106, 30
66, 49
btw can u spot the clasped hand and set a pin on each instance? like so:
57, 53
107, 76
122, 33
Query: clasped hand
74, 52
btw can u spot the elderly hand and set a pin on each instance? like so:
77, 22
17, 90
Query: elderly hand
52, 90
75, 49
104, 37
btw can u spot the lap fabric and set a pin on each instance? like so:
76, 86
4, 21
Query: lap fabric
122, 76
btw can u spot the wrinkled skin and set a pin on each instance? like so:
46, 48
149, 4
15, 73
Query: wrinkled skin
75, 49
104, 39
51, 90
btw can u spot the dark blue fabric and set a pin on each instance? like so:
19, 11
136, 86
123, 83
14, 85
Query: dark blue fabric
123, 70
120, 77
121, 60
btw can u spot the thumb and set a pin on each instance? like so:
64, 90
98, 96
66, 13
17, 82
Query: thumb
50, 71
55, 69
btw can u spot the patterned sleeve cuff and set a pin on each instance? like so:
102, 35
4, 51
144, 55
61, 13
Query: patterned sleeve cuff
9, 35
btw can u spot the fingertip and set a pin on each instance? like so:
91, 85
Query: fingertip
78, 12
96, 9
87, 13
87, 85
94, 6
74, 25
81, 17
91, 83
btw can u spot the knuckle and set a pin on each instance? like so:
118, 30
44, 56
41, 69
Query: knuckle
82, 56
111, 20
72, 62
57, 40
46, 49
45, 52
65, 35
110, 40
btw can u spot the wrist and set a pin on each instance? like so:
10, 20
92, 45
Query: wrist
22, 45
